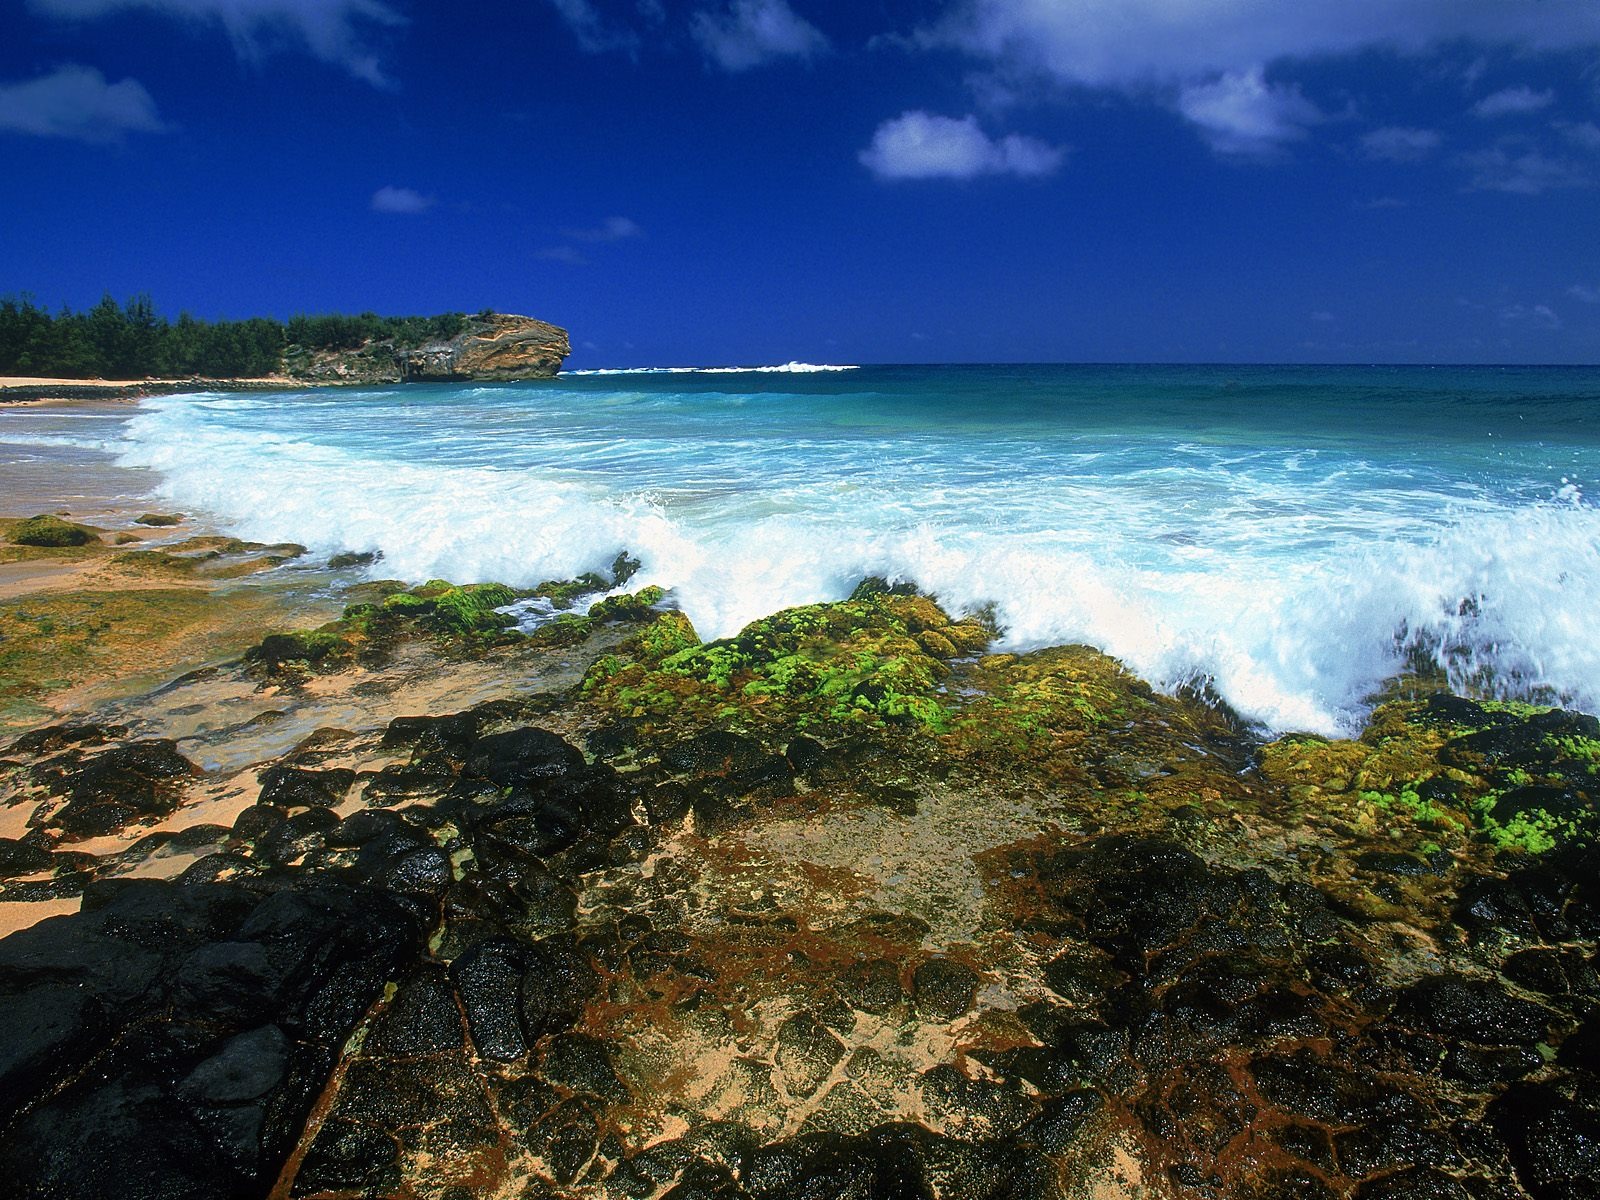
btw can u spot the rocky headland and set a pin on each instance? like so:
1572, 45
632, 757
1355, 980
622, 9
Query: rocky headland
493, 347
418, 902
489, 347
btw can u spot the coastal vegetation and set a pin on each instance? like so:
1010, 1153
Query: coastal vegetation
132, 340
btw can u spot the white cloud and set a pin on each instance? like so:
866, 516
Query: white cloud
403, 200
1533, 316
1242, 114
1399, 143
1323, 317
595, 34
1583, 134
612, 229
1135, 43
340, 32
76, 102
1523, 171
1513, 102
1208, 58
921, 145
752, 32
1583, 292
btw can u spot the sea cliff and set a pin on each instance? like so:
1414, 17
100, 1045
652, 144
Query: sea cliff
492, 347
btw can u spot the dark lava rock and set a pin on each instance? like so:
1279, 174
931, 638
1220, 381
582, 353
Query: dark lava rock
257, 820
489, 979
22, 858
297, 787
1385, 862
1472, 1010
212, 1013
1554, 1142
106, 791
295, 836
1416, 1183
349, 1157
943, 989
872, 986
556, 985
421, 1019
715, 752
1333, 1093
522, 756
807, 1053
452, 735
1552, 972
58, 737
581, 1064
1390, 1145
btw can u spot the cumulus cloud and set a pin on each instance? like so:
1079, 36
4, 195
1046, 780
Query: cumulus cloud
1242, 114
921, 145
751, 32
402, 200
1584, 293
612, 229
341, 32
77, 102
1123, 43
1513, 102
1209, 60
1399, 143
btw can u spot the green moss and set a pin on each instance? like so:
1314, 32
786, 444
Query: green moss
1533, 831
463, 614
564, 593
51, 531
852, 663
636, 607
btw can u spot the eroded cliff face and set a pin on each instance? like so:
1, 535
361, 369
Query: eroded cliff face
497, 346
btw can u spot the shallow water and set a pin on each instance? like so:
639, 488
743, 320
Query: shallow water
1289, 534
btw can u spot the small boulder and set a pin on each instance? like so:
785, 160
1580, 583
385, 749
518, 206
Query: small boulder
51, 531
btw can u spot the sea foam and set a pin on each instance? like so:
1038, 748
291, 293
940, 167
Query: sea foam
1292, 581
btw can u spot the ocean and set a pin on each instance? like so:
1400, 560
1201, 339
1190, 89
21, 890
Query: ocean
1290, 536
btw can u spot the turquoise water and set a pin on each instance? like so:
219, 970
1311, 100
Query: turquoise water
1287, 534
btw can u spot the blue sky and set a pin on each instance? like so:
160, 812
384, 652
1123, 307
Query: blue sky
722, 181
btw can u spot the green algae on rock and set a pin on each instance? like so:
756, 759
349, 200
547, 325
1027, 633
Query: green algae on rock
1438, 770
48, 530
873, 661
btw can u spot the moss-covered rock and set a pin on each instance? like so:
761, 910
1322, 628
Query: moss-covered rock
867, 662
639, 606
51, 531
465, 615
1516, 776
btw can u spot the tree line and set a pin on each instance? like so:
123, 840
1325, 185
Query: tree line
132, 341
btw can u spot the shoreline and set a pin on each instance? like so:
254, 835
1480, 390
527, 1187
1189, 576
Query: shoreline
25, 390
850, 891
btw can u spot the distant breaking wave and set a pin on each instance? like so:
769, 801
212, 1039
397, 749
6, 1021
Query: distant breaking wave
793, 368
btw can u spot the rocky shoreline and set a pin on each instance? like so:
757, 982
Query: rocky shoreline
414, 903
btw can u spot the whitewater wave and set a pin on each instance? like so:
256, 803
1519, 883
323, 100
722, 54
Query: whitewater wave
1294, 610
793, 368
